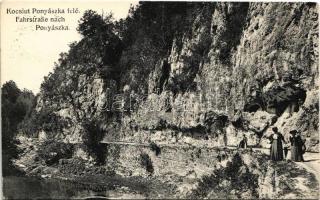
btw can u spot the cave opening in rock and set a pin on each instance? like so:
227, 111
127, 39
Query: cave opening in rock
252, 108
278, 100
284, 100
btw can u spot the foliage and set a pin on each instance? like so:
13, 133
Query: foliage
49, 121
92, 137
45, 120
235, 176
155, 148
97, 52
148, 34
30, 125
52, 151
16, 105
99, 37
136, 64
146, 162
159, 21
77, 166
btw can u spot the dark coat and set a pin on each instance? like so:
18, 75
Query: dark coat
296, 148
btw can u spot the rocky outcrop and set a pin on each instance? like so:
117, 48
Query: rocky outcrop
91, 100
253, 64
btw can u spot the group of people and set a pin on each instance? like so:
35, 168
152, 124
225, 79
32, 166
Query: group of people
279, 149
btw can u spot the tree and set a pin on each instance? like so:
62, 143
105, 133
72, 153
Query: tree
92, 137
16, 105
10, 91
99, 38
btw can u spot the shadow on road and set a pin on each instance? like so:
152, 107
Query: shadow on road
311, 160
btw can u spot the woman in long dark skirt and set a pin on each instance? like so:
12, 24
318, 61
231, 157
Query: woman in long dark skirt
296, 146
276, 150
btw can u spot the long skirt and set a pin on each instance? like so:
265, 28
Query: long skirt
296, 153
276, 151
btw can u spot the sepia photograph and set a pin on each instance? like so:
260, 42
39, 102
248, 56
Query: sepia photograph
159, 100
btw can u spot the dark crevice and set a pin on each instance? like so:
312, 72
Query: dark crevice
235, 24
252, 107
165, 73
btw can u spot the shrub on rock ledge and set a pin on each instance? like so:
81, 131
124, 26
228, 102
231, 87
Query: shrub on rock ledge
51, 151
146, 162
155, 148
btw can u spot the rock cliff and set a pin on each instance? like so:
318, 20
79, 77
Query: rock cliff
166, 94
235, 68
241, 69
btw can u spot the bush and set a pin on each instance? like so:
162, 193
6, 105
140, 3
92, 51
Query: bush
51, 151
146, 162
235, 176
92, 138
77, 166
155, 148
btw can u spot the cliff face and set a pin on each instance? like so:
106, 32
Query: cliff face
243, 69
87, 102
239, 68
